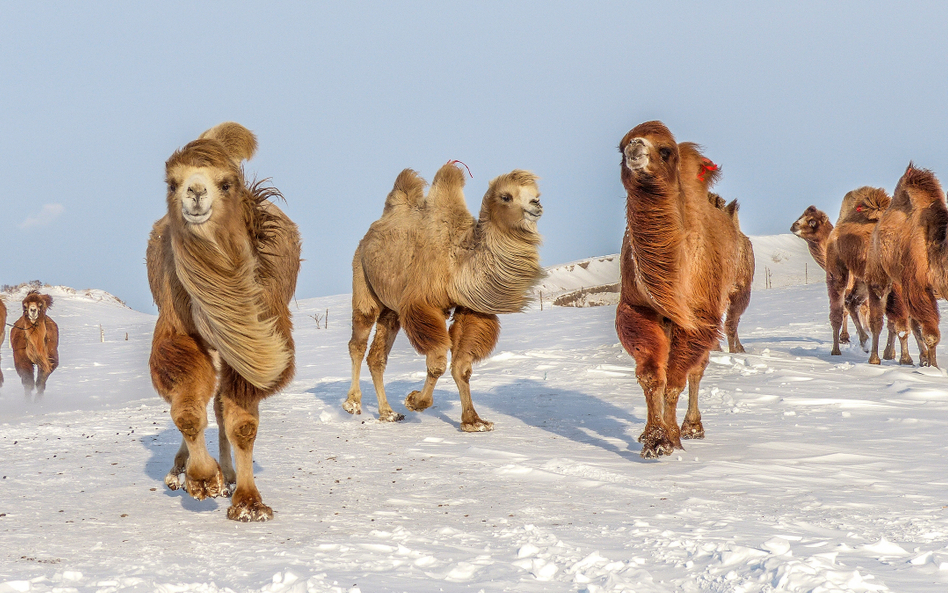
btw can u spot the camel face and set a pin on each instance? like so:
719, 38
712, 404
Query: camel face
809, 223
516, 206
32, 311
198, 193
637, 153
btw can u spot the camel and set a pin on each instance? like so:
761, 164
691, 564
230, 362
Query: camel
3, 331
909, 257
222, 267
740, 294
426, 256
846, 268
678, 264
35, 342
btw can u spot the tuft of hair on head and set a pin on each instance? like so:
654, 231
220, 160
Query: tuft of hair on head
239, 142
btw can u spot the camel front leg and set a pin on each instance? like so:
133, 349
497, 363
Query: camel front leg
241, 421
183, 374
418, 401
385, 331
834, 287
642, 335
426, 330
174, 479
473, 337
692, 428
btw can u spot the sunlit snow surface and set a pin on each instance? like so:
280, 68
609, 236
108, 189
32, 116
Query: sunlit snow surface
818, 473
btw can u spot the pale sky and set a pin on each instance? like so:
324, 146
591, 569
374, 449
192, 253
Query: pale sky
798, 102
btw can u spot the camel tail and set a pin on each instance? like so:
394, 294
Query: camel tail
409, 190
240, 143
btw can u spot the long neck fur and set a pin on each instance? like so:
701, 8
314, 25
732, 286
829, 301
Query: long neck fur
498, 268
218, 269
656, 234
817, 244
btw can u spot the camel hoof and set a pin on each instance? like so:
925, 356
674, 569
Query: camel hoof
655, 443
391, 416
413, 403
175, 479
906, 360
888, 354
692, 431
352, 407
249, 511
477, 426
739, 349
874, 359
836, 352
843, 338
209, 487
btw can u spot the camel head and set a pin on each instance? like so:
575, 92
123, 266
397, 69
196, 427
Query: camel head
35, 306
512, 201
205, 179
649, 151
813, 224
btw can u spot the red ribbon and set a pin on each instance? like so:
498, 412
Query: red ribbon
455, 162
708, 166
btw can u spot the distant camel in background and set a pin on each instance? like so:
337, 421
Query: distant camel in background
739, 296
3, 331
222, 267
35, 342
679, 262
427, 256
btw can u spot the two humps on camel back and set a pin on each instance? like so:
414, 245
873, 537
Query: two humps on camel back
427, 259
908, 262
680, 269
222, 267
843, 251
34, 339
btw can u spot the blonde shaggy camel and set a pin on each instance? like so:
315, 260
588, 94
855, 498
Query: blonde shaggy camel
222, 266
679, 262
740, 294
427, 256
34, 339
909, 257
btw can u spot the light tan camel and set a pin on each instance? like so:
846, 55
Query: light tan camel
427, 256
740, 294
909, 257
679, 262
222, 266
34, 339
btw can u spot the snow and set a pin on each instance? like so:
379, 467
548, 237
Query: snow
818, 473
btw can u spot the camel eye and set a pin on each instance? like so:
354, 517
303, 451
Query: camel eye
225, 186
664, 152
172, 186
812, 224
505, 197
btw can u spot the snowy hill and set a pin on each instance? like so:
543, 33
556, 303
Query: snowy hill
818, 473
780, 260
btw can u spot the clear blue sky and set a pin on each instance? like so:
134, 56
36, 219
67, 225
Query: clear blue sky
798, 101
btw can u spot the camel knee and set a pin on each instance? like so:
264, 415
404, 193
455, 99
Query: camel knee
357, 348
189, 423
461, 371
244, 433
437, 364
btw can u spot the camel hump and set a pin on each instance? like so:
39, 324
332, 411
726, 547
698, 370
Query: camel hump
239, 142
447, 188
693, 163
864, 202
409, 190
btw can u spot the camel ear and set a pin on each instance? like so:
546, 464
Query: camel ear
239, 142
48, 300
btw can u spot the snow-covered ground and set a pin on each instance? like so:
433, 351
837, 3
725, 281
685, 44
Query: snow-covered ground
818, 473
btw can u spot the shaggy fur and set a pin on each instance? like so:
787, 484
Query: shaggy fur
679, 264
35, 342
910, 257
222, 267
426, 257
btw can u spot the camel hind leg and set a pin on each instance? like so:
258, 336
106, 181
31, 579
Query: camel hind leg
473, 337
692, 428
183, 374
386, 329
426, 330
225, 457
365, 311
687, 359
738, 302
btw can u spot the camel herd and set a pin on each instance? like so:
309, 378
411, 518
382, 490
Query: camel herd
223, 263
887, 257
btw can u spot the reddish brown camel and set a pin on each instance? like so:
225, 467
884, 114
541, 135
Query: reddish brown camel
679, 261
910, 258
34, 339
